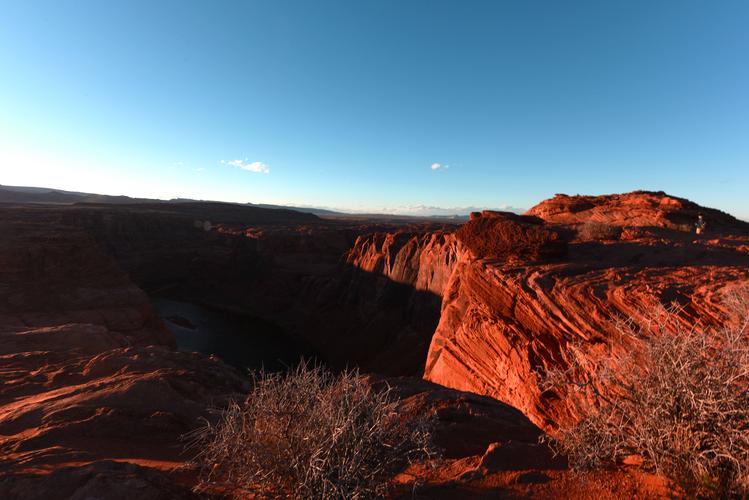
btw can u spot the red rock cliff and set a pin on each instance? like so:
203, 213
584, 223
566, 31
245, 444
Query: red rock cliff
423, 261
528, 293
382, 305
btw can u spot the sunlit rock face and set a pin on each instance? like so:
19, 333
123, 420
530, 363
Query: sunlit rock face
421, 260
504, 236
526, 293
635, 209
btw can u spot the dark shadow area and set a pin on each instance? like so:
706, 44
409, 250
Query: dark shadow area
288, 288
670, 249
344, 318
242, 341
365, 319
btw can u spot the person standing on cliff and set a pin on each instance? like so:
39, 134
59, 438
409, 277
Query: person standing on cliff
700, 225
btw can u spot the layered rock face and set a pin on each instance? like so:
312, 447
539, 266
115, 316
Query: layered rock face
529, 293
383, 305
502, 321
377, 306
422, 260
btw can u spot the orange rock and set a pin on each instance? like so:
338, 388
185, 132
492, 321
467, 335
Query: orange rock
503, 321
503, 236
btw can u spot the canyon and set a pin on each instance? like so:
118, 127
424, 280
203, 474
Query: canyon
463, 321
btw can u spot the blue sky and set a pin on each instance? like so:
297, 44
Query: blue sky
349, 104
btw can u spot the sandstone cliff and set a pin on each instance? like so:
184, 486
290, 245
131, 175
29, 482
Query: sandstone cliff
379, 305
526, 294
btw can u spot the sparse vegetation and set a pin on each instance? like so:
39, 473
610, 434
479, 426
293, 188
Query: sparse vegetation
310, 434
680, 401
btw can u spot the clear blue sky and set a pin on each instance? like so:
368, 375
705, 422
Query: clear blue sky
350, 103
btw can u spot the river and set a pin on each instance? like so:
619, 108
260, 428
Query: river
243, 341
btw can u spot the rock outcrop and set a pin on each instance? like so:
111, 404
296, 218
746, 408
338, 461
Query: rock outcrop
502, 322
380, 306
636, 209
529, 293
505, 236
54, 275
108, 479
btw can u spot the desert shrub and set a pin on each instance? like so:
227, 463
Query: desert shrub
310, 434
680, 401
598, 231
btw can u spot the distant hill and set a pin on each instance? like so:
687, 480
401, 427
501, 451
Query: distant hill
27, 194
310, 210
24, 194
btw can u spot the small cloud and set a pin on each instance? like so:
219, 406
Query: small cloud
439, 166
199, 169
179, 163
254, 166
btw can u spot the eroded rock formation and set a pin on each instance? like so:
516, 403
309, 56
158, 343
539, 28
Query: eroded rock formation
527, 293
502, 321
380, 309
509, 237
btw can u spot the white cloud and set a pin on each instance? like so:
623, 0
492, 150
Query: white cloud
199, 169
254, 166
439, 166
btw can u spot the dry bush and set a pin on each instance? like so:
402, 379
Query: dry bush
598, 231
310, 434
680, 402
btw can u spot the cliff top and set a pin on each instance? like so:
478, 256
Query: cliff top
638, 208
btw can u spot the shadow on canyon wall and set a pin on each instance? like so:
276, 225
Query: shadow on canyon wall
287, 284
348, 318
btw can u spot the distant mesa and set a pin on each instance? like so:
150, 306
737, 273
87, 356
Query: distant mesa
23, 194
